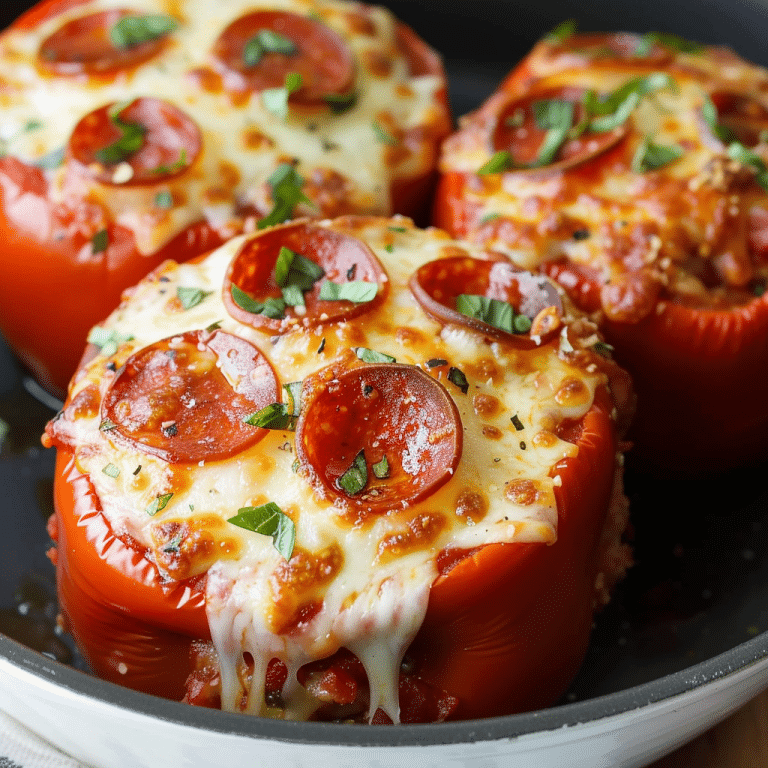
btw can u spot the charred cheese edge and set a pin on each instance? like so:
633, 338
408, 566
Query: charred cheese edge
243, 141
370, 604
616, 219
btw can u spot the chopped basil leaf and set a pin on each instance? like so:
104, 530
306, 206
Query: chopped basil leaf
383, 135
160, 503
673, 42
51, 161
741, 154
275, 100
191, 297
293, 296
435, 362
650, 156
616, 108
516, 119
499, 314
174, 167
521, 324
244, 301
286, 194
213, 326
272, 416
562, 31
293, 391
106, 425
170, 430
381, 468
273, 308
131, 138
389, 248
164, 200
759, 288
356, 291
267, 41
397, 229
107, 341
111, 470
134, 30
581, 234
4, 430
100, 241
340, 102
355, 478
322, 346
516, 423
174, 544
712, 119
372, 356
556, 117
500, 162
457, 378
489, 217
268, 520
294, 269
137, 470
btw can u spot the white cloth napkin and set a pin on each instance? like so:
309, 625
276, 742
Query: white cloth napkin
20, 748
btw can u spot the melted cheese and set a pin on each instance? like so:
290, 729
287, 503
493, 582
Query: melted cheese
661, 223
372, 598
243, 142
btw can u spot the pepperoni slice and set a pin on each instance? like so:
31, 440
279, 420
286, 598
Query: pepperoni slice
437, 284
520, 133
370, 413
744, 118
85, 45
184, 398
342, 258
313, 50
145, 141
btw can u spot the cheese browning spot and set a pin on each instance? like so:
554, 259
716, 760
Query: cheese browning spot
472, 505
522, 491
420, 532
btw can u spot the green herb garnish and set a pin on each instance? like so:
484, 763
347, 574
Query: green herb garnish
268, 520
516, 423
381, 468
174, 167
372, 356
106, 425
191, 297
355, 478
340, 102
267, 41
383, 135
556, 117
494, 312
158, 504
650, 156
615, 109
131, 138
458, 379
100, 241
164, 200
356, 291
292, 268
111, 471
673, 42
500, 162
286, 187
562, 31
272, 416
107, 341
275, 100
435, 362
741, 154
51, 161
135, 30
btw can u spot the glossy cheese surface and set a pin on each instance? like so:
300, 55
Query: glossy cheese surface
384, 133
361, 569
664, 201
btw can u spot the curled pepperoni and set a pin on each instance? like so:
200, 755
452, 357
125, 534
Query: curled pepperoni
520, 133
342, 258
85, 46
313, 50
184, 398
145, 141
740, 117
437, 284
379, 411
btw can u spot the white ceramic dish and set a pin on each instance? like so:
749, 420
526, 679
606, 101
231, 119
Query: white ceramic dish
678, 650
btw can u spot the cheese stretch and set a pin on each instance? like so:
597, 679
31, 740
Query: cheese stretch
354, 580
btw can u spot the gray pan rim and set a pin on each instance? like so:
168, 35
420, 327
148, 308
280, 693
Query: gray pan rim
704, 673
